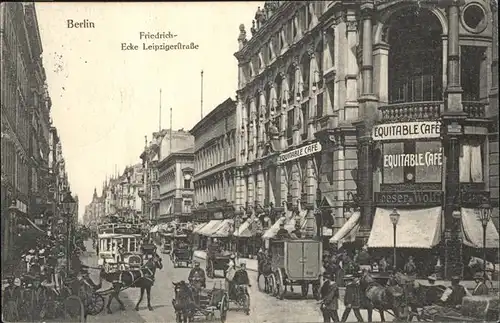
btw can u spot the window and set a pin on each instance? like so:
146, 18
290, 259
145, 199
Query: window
187, 181
470, 72
186, 208
412, 162
305, 117
319, 105
471, 162
289, 128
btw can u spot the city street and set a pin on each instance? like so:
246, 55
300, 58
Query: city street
264, 308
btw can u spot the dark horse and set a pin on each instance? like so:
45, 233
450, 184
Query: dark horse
381, 298
142, 278
183, 302
265, 269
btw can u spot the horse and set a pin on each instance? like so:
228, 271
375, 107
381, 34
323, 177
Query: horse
183, 302
142, 278
264, 268
381, 298
477, 265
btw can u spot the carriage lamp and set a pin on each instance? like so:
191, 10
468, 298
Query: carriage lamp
484, 217
394, 219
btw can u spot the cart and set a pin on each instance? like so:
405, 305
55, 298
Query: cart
295, 262
218, 261
147, 250
181, 251
210, 301
168, 242
473, 309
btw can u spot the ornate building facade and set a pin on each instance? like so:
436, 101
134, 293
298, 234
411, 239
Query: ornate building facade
215, 153
176, 185
369, 106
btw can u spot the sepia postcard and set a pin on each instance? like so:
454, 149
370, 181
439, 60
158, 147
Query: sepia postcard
250, 161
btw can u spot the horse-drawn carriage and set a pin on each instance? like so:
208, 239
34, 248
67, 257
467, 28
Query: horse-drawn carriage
119, 251
181, 251
168, 242
217, 261
294, 262
209, 301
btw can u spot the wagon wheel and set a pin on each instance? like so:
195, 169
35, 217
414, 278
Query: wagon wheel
245, 303
95, 304
259, 285
74, 310
224, 307
280, 285
273, 288
210, 270
304, 288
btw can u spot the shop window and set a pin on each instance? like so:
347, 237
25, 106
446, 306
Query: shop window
412, 162
471, 162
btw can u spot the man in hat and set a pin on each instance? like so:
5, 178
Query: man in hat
329, 299
296, 233
352, 298
410, 269
197, 273
481, 288
282, 233
432, 280
39, 296
458, 292
10, 300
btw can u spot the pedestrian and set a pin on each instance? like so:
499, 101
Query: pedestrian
458, 292
410, 269
383, 265
481, 288
352, 298
329, 299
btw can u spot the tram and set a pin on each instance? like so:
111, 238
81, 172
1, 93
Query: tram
113, 235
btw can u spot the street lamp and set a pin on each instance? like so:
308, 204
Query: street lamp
68, 206
484, 217
394, 219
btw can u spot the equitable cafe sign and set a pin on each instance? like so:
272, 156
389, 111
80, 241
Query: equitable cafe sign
299, 152
406, 130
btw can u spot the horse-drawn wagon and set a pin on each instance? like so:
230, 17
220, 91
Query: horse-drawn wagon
181, 251
295, 262
209, 301
217, 261
119, 247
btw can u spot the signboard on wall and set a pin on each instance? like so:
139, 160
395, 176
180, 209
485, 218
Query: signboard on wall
426, 159
409, 198
299, 152
406, 130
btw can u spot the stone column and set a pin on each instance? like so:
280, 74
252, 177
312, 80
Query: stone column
367, 115
282, 106
282, 180
351, 83
311, 180
260, 187
251, 189
311, 127
260, 119
297, 96
452, 120
381, 72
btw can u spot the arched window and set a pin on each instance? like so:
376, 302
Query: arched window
415, 57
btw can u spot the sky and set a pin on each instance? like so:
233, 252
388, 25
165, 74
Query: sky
105, 99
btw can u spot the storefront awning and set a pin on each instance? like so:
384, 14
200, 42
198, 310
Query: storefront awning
208, 229
472, 230
224, 229
273, 230
244, 230
416, 229
154, 229
347, 233
199, 226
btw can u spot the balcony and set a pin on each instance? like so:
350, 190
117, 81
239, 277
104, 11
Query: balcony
427, 110
411, 111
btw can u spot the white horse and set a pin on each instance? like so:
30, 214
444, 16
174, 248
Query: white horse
477, 265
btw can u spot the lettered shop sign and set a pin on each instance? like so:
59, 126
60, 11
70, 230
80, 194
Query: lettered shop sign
406, 130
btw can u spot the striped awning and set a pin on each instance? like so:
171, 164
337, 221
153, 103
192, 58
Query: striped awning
208, 229
224, 229
289, 225
419, 228
347, 233
199, 226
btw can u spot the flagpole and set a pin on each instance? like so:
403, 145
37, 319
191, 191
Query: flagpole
159, 117
201, 103
170, 139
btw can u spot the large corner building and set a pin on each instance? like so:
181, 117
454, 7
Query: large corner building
361, 107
